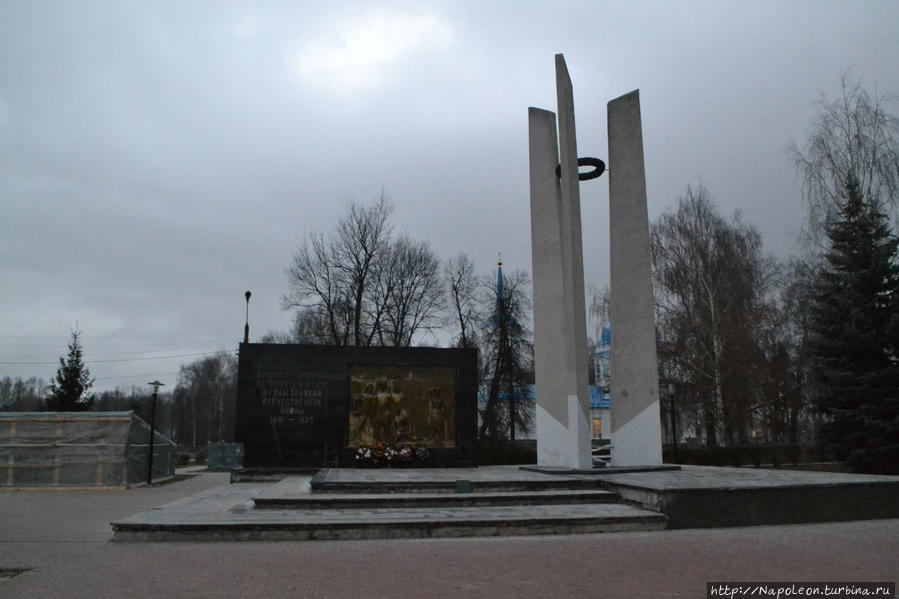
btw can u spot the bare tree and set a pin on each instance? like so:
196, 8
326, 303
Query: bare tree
19, 395
273, 336
854, 138
311, 325
413, 294
316, 285
793, 334
598, 312
205, 400
363, 240
462, 291
712, 287
331, 277
139, 399
360, 287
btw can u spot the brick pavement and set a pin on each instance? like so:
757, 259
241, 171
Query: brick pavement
65, 538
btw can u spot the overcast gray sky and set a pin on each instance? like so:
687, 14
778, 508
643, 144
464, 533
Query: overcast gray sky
157, 159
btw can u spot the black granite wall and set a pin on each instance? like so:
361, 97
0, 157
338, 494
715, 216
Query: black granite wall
293, 402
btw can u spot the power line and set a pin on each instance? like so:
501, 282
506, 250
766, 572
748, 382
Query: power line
89, 362
114, 345
110, 354
134, 376
165, 336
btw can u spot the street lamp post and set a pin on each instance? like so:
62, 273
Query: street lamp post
246, 327
156, 386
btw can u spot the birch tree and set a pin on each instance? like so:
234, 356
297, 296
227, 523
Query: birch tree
712, 285
854, 138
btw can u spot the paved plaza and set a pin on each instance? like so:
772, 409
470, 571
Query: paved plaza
64, 540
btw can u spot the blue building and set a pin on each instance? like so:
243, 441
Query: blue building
600, 400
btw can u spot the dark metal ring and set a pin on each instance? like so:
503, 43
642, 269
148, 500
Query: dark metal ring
599, 167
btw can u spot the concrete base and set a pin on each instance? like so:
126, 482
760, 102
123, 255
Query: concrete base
710, 497
393, 504
335, 525
389, 504
638, 442
563, 445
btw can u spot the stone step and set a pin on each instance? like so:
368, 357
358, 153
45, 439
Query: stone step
248, 524
286, 496
258, 475
320, 485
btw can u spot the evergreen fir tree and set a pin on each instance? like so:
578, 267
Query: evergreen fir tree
855, 319
72, 381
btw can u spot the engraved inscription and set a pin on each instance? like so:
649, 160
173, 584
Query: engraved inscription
290, 396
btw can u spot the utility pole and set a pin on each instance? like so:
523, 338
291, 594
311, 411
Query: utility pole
156, 386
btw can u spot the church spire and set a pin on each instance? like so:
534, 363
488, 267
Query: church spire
499, 278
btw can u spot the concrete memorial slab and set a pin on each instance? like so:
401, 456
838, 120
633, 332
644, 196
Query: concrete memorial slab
560, 339
315, 405
636, 425
560, 334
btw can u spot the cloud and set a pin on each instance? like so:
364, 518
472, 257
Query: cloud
247, 25
358, 56
158, 159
